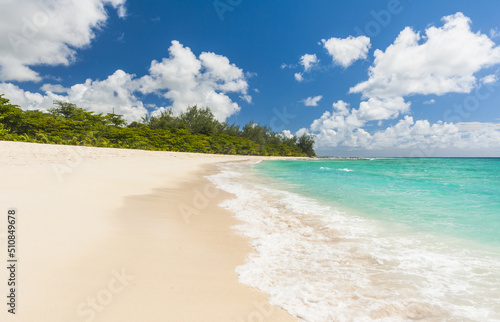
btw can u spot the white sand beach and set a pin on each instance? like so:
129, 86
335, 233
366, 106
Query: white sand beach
122, 235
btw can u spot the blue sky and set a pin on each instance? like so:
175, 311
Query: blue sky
302, 67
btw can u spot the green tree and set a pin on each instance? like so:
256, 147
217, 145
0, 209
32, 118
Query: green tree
12, 115
201, 121
165, 120
115, 119
195, 130
66, 110
305, 144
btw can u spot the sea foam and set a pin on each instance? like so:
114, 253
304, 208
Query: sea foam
322, 264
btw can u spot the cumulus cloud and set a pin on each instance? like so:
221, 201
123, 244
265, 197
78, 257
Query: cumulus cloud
308, 61
182, 78
186, 80
312, 101
54, 88
302, 132
345, 51
342, 127
47, 32
26, 99
115, 92
410, 134
419, 135
299, 77
445, 62
470, 126
489, 79
341, 107
382, 109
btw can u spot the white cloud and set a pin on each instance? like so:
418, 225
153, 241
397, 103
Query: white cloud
25, 99
247, 98
187, 80
382, 109
183, 78
115, 92
287, 134
341, 107
346, 51
344, 128
308, 61
312, 101
53, 88
301, 132
47, 33
339, 119
489, 79
423, 135
494, 33
471, 126
445, 62
343, 120
284, 66
418, 135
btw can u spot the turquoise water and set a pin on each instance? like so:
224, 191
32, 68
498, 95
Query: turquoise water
371, 239
458, 197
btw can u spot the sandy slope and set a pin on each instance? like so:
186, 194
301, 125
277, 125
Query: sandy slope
121, 235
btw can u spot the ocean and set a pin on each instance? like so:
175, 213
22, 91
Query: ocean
383, 239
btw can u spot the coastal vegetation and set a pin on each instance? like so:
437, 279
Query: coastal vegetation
196, 130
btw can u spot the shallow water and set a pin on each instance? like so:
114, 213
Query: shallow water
381, 239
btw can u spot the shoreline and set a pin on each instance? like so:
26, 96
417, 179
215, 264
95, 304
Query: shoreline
124, 235
320, 259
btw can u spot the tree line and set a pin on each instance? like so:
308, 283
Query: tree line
195, 130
